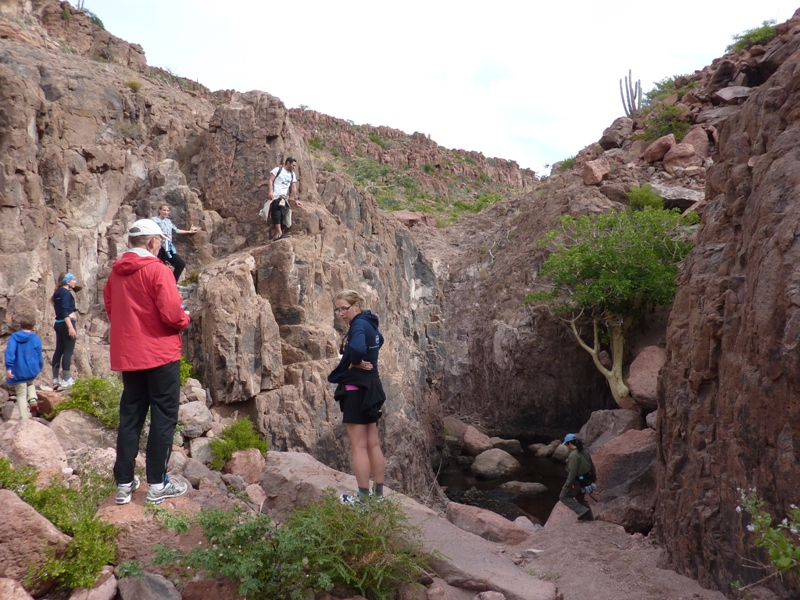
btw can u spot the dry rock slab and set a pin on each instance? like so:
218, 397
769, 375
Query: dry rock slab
105, 588
511, 446
466, 560
76, 429
485, 523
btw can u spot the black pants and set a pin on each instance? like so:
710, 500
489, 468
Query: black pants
159, 390
576, 500
65, 346
176, 261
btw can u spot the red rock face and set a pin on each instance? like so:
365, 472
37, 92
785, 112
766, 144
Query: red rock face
729, 390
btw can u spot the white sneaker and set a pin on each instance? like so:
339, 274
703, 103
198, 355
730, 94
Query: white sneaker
125, 492
56, 382
65, 383
172, 489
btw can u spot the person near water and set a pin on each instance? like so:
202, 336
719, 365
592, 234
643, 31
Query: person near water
579, 463
65, 327
24, 362
167, 252
360, 393
144, 308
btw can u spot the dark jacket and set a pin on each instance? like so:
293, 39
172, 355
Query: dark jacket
363, 343
64, 303
24, 357
578, 463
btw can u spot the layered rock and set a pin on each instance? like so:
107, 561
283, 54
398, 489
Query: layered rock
728, 391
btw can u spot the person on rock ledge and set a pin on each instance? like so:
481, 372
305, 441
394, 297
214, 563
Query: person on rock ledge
280, 192
167, 252
360, 393
579, 464
144, 309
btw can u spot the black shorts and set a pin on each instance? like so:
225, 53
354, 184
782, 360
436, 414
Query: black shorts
278, 212
351, 407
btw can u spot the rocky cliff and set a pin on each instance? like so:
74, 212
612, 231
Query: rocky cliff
729, 415
91, 141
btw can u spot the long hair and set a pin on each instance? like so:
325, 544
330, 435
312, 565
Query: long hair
58, 285
578, 444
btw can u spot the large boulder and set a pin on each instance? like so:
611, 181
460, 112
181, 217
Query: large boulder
594, 171
524, 488
195, 418
681, 156
248, 464
485, 523
605, 425
11, 589
659, 148
643, 377
494, 463
25, 538
626, 480
511, 446
105, 588
147, 587
473, 442
31, 444
616, 133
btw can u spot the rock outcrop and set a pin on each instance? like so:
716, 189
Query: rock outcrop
728, 391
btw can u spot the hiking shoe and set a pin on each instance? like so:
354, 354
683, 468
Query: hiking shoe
66, 383
34, 408
352, 500
284, 236
171, 489
586, 516
125, 491
56, 382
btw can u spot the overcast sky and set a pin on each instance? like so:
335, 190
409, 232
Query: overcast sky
526, 80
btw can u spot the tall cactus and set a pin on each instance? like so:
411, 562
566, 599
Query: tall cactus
632, 96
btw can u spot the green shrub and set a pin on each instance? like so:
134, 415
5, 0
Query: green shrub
192, 277
751, 37
643, 196
481, 202
782, 541
95, 396
371, 550
72, 511
129, 568
134, 131
315, 143
66, 15
664, 120
567, 164
240, 435
186, 370
94, 19
667, 86
134, 85
484, 177
428, 168
374, 137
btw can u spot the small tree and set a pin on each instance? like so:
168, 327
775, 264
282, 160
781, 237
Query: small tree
612, 267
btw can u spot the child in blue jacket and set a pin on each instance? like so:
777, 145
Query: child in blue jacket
24, 362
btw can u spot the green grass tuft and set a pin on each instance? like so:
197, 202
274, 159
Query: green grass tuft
240, 435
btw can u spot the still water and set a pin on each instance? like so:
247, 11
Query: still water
462, 486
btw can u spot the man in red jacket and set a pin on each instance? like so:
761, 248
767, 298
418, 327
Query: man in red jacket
146, 316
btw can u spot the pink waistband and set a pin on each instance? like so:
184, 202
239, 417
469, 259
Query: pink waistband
351, 388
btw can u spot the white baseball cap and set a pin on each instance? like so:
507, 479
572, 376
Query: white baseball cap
145, 227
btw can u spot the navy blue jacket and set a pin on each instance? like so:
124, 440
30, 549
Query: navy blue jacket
24, 356
363, 342
64, 303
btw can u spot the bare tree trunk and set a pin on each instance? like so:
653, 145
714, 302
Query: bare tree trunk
613, 375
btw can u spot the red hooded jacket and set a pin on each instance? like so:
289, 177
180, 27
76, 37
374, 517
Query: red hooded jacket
144, 308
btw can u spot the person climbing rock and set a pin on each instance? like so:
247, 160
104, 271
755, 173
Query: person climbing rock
281, 190
168, 253
579, 464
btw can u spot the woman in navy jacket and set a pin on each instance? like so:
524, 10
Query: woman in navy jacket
360, 392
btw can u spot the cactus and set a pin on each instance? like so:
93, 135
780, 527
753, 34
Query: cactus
632, 96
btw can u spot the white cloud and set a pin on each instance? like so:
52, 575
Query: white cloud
526, 81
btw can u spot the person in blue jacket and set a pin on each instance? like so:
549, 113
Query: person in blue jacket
360, 392
65, 328
24, 362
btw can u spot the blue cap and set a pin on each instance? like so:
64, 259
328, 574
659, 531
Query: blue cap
67, 278
570, 437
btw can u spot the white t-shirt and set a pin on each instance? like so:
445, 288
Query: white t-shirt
280, 187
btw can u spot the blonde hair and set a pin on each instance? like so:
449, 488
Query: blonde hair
160, 206
351, 297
